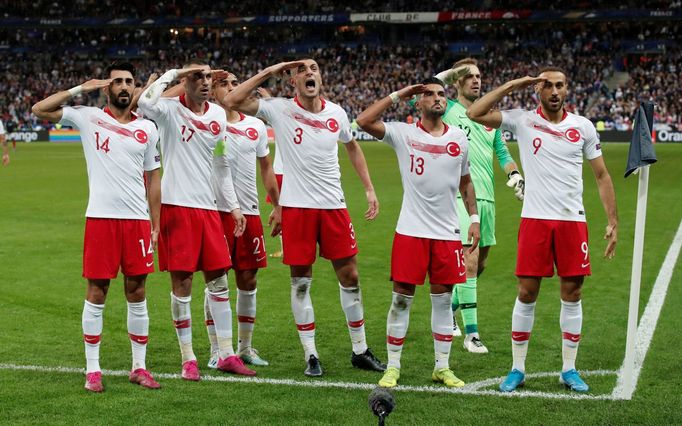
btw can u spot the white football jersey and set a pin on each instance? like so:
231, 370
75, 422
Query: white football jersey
430, 168
277, 164
117, 155
246, 141
187, 144
309, 149
552, 158
2, 128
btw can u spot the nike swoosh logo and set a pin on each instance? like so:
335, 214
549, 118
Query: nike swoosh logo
585, 265
150, 263
461, 274
260, 258
353, 245
574, 338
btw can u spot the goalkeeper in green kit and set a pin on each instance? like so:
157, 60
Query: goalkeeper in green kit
483, 142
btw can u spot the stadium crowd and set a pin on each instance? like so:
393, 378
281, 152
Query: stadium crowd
362, 63
206, 8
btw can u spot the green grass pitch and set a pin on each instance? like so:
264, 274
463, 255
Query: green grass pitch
43, 198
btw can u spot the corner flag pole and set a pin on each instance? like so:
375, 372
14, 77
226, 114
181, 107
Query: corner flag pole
641, 155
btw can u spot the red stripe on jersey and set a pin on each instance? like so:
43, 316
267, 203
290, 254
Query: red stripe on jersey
218, 298
572, 337
395, 340
209, 322
250, 132
182, 323
425, 147
91, 338
306, 327
356, 324
243, 318
520, 336
316, 124
139, 339
442, 337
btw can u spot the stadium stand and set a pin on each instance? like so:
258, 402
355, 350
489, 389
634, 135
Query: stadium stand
612, 65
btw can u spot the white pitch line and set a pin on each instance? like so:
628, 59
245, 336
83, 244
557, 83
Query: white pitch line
647, 324
474, 388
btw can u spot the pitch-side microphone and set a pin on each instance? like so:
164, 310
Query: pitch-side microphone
381, 402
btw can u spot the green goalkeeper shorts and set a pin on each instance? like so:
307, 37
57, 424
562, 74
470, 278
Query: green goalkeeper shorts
486, 211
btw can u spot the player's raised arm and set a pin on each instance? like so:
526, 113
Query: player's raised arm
138, 90
50, 108
481, 110
370, 119
608, 199
240, 99
147, 102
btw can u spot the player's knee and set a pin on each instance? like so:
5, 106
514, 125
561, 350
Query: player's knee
527, 295
350, 278
400, 302
301, 286
218, 285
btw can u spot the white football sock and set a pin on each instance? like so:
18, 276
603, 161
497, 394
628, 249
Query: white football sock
441, 328
182, 319
246, 315
396, 327
138, 332
92, 321
219, 303
210, 325
351, 302
522, 325
571, 321
304, 316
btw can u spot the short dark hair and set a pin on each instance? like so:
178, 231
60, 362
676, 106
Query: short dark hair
119, 66
552, 68
195, 60
433, 80
465, 61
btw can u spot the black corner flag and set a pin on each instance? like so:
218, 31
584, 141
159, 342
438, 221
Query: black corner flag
641, 146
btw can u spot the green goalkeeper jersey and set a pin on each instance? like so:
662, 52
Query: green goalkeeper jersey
482, 142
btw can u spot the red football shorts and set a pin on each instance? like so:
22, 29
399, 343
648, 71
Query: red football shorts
544, 243
279, 187
192, 240
303, 229
113, 244
247, 251
413, 257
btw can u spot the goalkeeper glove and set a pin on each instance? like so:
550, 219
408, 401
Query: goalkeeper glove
517, 183
453, 74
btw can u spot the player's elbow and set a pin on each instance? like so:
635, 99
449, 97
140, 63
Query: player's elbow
37, 111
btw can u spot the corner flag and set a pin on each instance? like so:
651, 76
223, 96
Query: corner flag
640, 156
641, 151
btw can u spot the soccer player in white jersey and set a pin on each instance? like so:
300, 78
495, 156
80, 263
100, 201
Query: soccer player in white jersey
434, 166
120, 148
552, 144
308, 129
246, 144
191, 232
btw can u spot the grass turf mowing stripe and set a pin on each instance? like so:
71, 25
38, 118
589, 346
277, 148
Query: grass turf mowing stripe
474, 388
647, 324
